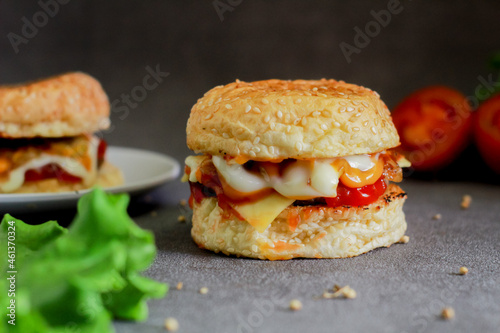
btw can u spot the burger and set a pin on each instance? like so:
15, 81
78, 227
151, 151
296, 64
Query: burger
292, 169
46, 140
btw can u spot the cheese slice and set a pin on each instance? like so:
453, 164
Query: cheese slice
262, 212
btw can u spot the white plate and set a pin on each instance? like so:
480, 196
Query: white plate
142, 170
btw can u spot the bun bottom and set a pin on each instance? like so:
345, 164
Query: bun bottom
108, 175
321, 232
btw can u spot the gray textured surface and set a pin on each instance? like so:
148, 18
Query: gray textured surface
400, 289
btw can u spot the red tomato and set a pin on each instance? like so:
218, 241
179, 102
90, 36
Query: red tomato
487, 131
101, 150
360, 196
50, 171
434, 126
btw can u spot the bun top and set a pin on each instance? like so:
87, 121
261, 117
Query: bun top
276, 119
65, 105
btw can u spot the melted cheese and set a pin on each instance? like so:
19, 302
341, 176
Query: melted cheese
73, 166
261, 213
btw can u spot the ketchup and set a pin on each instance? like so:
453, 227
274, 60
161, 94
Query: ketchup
50, 171
359, 196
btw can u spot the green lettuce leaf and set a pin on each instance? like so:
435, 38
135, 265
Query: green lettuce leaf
82, 277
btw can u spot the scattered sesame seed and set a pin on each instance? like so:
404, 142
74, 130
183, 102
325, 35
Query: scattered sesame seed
356, 103
228, 106
210, 102
316, 114
342, 109
295, 305
324, 127
466, 200
272, 126
342, 103
463, 270
288, 128
365, 104
355, 129
405, 239
315, 89
437, 217
256, 110
345, 292
248, 108
171, 324
225, 135
280, 114
271, 150
256, 149
298, 146
448, 313
357, 115
365, 123
181, 218
265, 101
179, 286
214, 131
204, 290
374, 131
282, 102
296, 121
252, 153
322, 95
350, 109
336, 123
209, 116
183, 202
267, 118
298, 100
256, 140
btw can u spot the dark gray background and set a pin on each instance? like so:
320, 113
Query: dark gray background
401, 289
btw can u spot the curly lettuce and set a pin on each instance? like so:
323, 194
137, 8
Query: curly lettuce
80, 278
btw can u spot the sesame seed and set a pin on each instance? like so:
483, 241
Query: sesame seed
179, 286
374, 131
357, 115
336, 123
210, 102
342, 109
204, 290
265, 101
316, 113
248, 108
225, 135
171, 324
209, 116
463, 270
405, 239
272, 126
296, 121
361, 109
288, 128
322, 95
282, 102
256, 140
356, 103
279, 114
295, 305
298, 100
228, 106
267, 118
324, 127
214, 131
256, 110
466, 200
380, 144
365, 123
350, 109
448, 313
355, 129
252, 153
365, 104
256, 149
298, 146
218, 101
271, 151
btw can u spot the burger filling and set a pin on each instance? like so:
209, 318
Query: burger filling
72, 160
259, 191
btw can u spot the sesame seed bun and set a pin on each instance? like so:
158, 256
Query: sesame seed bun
323, 232
65, 105
276, 119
